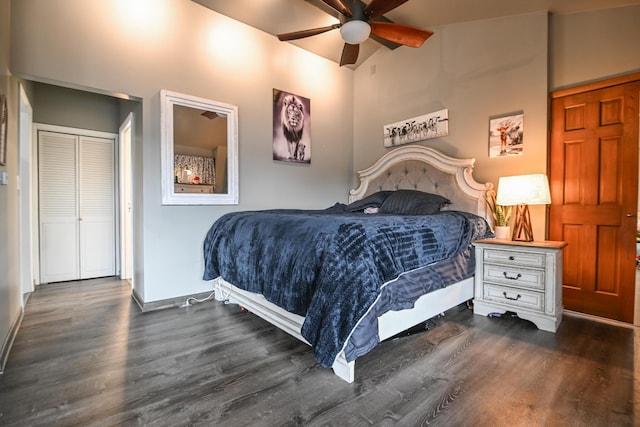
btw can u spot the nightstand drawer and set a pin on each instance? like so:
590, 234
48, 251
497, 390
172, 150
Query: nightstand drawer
514, 297
521, 277
521, 259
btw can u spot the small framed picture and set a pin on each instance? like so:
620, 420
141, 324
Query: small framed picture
506, 135
3, 129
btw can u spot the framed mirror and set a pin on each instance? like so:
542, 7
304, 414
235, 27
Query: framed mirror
199, 139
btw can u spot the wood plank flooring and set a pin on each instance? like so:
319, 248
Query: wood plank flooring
86, 356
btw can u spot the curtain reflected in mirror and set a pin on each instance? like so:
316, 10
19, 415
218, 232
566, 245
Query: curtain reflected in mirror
194, 170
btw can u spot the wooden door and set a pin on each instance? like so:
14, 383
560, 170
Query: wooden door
594, 191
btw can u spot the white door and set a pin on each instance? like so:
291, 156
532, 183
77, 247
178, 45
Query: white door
58, 184
96, 214
76, 206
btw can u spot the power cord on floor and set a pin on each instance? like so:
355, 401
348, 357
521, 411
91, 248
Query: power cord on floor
193, 300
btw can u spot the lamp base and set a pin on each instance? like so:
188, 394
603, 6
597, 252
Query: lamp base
522, 230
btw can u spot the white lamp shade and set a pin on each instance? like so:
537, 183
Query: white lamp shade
355, 31
523, 189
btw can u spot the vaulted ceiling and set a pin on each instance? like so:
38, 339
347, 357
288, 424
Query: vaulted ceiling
281, 16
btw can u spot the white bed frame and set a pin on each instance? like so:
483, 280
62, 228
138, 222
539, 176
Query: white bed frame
408, 167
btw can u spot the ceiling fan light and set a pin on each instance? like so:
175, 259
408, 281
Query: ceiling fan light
355, 31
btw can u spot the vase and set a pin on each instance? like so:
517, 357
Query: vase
502, 231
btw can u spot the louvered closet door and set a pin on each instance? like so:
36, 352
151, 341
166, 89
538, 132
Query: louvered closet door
58, 195
97, 228
77, 210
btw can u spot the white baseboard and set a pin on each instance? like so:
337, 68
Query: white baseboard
599, 319
8, 341
146, 307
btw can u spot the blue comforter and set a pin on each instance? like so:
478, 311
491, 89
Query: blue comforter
330, 265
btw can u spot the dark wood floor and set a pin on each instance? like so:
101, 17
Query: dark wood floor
86, 356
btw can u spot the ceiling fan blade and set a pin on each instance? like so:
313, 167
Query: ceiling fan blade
306, 33
338, 5
380, 7
349, 54
401, 34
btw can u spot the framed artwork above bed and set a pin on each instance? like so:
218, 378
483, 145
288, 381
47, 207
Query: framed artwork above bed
427, 126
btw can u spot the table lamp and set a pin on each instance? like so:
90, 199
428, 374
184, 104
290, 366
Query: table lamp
521, 191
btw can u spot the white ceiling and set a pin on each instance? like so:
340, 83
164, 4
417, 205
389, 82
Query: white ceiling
282, 16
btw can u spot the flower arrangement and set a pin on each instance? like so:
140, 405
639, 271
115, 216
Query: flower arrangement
501, 214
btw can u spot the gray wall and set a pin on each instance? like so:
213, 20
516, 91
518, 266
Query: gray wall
10, 301
483, 68
62, 106
183, 47
475, 70
591, 46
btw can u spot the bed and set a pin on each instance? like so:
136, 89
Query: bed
345, 278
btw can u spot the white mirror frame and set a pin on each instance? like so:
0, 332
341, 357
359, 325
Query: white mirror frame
169, 196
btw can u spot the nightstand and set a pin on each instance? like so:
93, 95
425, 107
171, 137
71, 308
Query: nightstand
193, 188
521, 277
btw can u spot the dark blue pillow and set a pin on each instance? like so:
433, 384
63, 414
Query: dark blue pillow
413, 202
374, 200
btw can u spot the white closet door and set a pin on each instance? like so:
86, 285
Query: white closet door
57, 157
77, 207
97, 207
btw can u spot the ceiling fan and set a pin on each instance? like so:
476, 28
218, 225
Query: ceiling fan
358, 21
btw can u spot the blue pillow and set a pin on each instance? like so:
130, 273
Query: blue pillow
413, 202
374, 200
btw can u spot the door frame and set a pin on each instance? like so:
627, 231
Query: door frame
37, 127
601, 84
25, 188
125, 197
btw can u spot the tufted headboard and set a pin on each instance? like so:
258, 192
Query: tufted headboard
414, 167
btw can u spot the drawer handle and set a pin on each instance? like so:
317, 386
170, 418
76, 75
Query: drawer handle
511, 258
511, 277
512, 299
